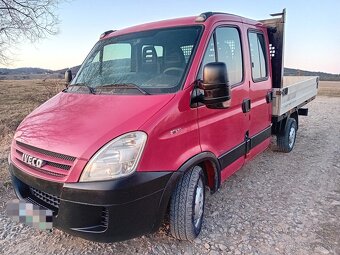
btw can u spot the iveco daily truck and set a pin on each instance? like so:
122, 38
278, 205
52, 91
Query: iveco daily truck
157, 115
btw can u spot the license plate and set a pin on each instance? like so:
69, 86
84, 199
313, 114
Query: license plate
24, 212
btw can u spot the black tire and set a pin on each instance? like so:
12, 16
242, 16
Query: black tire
286, 139
189, 188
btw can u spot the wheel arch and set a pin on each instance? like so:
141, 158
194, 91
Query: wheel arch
212, 171
279, 126
211, 168
295, 115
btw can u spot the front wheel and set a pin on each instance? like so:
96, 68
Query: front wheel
187, 205
286, 140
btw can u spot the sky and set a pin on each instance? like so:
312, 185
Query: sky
312, 28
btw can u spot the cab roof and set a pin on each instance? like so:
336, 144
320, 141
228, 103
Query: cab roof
207, 18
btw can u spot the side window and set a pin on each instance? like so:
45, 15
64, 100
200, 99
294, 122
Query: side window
229, 51
258, 55
209, 56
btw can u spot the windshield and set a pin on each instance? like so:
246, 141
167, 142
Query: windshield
149, 62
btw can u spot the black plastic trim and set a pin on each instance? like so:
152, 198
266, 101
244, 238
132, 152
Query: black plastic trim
260, 137
229, 157
53, 188
242, 149
207, 15
198, 159
303, 111
120, 191
201, 157
132, 206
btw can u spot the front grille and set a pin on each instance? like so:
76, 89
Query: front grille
47, 153
56, 164
51, 200
44, 171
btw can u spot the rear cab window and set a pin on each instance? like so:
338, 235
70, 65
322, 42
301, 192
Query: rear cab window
258, 57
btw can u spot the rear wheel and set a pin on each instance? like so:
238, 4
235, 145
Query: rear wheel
286, 139
187, 205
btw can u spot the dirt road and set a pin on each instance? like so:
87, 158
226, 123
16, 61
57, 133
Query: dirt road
277, 204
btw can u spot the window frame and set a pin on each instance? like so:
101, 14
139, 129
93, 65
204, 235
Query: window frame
213, 34
257, 31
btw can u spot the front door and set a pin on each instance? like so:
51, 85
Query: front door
223, 131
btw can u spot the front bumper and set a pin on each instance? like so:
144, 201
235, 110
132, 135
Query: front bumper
105, 211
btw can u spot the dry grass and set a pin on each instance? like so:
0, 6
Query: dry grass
17, 99
329, 88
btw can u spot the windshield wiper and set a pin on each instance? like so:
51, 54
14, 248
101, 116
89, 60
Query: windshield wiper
124, 86
91, 89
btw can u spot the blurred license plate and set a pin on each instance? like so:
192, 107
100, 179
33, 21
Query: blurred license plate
24, 212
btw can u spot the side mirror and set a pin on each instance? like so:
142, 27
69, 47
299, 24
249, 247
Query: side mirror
215, 85
68, 76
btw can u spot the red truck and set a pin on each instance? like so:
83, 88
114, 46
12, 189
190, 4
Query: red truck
157, 115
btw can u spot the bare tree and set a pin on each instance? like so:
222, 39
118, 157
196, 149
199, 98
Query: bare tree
25, 20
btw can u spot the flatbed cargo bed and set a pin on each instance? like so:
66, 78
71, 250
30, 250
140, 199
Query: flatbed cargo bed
296, 91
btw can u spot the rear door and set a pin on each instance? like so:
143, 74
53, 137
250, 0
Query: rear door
259, 93
222, 131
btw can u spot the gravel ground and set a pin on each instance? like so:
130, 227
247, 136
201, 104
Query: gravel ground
277, 204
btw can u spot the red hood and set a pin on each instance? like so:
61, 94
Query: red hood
79, 124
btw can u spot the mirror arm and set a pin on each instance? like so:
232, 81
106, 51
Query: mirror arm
198, 99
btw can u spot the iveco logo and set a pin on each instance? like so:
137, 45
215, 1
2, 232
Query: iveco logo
32, 160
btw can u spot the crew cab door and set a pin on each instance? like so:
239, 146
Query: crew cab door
223, 131
260, 85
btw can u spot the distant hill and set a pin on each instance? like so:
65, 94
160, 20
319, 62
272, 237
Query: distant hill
24, 71
74, 70
323, 76
40, 73
27, 73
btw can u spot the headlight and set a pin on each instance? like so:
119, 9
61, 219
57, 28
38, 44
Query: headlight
116, 159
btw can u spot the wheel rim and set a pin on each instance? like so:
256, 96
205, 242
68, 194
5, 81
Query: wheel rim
291, 137
199, 203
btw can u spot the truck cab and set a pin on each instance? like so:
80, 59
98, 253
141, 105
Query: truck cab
157, 115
